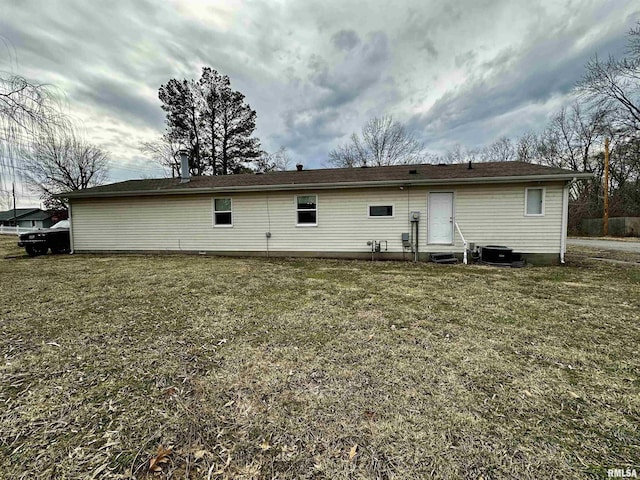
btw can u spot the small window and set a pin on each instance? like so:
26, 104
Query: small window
222, 214
381, 210
534, 201
307, 210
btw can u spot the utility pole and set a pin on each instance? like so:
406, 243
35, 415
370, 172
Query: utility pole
605, 220
15, 216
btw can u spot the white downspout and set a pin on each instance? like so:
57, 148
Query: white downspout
565, 219
70, 230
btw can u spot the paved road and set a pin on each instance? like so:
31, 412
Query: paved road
605, 244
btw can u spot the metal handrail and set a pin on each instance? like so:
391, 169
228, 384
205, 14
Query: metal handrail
464, 242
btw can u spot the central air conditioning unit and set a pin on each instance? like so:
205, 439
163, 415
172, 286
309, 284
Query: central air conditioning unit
500, 256
496, 254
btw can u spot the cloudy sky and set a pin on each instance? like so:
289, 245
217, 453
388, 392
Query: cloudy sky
465, 72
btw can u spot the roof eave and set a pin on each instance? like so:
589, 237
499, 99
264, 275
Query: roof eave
332, 185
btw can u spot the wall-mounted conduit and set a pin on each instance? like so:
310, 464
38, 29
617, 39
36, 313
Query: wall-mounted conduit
268, 232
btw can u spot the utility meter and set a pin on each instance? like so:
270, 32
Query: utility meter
414, 216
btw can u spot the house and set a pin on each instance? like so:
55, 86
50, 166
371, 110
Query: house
389, 212
27, 218
8, 218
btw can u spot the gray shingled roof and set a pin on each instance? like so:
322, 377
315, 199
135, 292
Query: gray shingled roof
19, 213
37, 215
338, 177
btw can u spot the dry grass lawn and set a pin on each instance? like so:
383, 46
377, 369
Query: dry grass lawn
580, 253
615, 239
256, 368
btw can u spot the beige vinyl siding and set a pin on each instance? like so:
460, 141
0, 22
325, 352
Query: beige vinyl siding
486, 214
495, 215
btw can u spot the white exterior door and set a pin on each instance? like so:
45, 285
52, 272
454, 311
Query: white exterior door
440, 212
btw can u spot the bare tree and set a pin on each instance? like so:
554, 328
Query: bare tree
432, 158
502, 150
282, 160
383, 141
614, 84
526, 148
25, 105
26, 110
346, 155
634, 42
278, 161
572, 136
6, 200
457, 154
58, 163
625, 176
164, 151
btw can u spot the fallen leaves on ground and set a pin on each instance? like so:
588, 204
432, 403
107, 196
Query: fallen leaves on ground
159, 459
353, 452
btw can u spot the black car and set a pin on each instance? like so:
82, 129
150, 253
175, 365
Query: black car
55, 238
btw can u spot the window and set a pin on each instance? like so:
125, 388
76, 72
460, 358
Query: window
222, 215
381, 210
307, 210
534, 202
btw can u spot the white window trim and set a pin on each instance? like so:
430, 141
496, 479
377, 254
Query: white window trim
295, 204
393, 210
213, 207
544, 201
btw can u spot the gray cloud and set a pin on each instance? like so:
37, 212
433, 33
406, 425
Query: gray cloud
361, 68
466, 59
456, 72
345, 39
429, 47
122, 101
325, 105
482, 109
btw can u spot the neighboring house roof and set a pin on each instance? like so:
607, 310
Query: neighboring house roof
490, 172
20, 213
37, 215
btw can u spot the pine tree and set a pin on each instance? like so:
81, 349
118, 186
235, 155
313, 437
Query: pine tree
212, 121
184, 125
